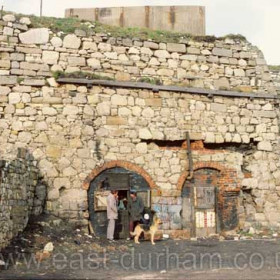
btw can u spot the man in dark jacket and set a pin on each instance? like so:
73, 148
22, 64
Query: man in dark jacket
135, 209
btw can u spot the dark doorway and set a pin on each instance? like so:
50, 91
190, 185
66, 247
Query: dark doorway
120, 179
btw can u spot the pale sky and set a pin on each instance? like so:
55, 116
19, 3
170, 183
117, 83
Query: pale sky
257, 20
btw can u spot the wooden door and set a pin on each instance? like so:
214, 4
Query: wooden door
199, 198
205, 210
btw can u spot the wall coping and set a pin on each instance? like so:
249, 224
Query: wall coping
157, 88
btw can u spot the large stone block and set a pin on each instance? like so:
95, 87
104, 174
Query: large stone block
239, 72
209, 137
71, 41
116, 121
122, 76
250, 183
104, 47
25, 20
29, 50
142, 148
14, 97
69, 171
148, 112
222, 84
173, 47
153, 102
154, 62
4, 90
119, 100
192, 50
9, 18
123, 111
53, 151
264, 146
62, 182
21, 27
265, 114
50, 111
34, 82
50, 57
76, 61
149, 71
89, 46
24, 137
8, 31
165, 72
70, 110
94, 63
5, 64
103, 109
53, 194
144, 133
162, 54
8, 80
222, 52
146, 51
151, 45
35, 36
17, 56
56, 42
216, 107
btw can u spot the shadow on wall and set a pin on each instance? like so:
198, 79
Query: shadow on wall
22, 194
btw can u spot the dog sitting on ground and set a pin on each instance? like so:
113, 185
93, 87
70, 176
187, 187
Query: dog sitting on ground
151, 230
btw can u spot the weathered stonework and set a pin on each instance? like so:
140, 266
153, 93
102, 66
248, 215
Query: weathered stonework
223, 64
276, 80
20, 195
74, 131
71, 140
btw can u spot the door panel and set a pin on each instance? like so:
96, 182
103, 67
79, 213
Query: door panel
205, 210
205, 197
201, 192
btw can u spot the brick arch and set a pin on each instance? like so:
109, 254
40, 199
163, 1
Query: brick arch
225, 173
119, 163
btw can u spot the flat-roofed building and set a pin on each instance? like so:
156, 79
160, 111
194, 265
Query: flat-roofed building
186, 19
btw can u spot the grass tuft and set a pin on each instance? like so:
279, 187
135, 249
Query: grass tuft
149, 80
275, 68
80, 75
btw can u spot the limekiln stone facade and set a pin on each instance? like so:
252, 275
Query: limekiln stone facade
74, 132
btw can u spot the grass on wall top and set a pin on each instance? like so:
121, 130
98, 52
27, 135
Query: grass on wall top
69, 25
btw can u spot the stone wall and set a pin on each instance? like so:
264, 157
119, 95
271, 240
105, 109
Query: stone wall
275, 75
72, 130
20, 195
82, 131
31, 56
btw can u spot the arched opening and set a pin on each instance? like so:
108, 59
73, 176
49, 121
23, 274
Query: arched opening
210, 199
115, 178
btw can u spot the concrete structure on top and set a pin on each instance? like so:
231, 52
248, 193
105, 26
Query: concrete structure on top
186, 19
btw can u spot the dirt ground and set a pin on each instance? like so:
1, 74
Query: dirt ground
77, 255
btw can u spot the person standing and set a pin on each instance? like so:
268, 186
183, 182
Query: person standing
112, 214
135, 209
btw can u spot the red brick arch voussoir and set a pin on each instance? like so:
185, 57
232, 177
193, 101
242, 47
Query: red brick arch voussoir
200, 165
119, 163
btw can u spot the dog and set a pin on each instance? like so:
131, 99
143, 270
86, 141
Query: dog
152, 230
